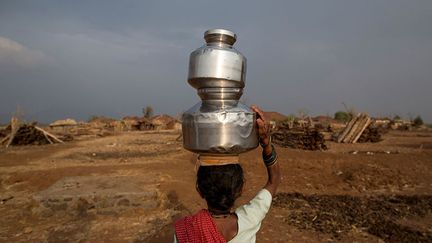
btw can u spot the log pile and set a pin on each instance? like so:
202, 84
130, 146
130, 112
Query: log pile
5, 131
27, 134
306, 139
354, 129
372, 134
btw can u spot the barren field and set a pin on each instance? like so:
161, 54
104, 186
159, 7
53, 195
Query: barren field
130, 187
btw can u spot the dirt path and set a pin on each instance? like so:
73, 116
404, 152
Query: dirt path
361, 192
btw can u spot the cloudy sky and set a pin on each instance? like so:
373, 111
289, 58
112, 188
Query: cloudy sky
76, 59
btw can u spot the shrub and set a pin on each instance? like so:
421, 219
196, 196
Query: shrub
148, 111
342, 116
418, 121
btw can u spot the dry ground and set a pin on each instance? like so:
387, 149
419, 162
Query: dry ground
361, 192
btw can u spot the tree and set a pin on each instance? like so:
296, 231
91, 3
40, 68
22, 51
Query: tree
342, 116
350, 110
290, 117
396, 117
302, 113
418, 121
148, 111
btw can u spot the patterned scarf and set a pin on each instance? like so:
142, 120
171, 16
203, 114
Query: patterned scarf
198, 228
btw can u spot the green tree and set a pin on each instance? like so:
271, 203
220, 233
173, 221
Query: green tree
342, 116
396, 117
290, 117
148, 111
418, 121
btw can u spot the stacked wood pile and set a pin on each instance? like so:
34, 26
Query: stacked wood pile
372, 134
5, 131
354, 129
27, 134
299, 138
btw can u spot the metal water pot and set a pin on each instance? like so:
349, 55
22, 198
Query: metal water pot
219, 124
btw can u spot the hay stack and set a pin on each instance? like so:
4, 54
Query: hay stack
27, 134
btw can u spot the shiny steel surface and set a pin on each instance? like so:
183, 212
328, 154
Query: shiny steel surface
230, 130
215, 82
213, 62
220, 32
219, 124
220, 37
220, 93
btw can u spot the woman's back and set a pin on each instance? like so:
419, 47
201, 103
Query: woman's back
220, 186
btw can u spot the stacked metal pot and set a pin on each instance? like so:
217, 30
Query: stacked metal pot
219, 124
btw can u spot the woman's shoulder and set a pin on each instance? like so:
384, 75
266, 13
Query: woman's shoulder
258, 206
250, 216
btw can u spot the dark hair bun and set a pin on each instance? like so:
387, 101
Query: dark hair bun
220, 185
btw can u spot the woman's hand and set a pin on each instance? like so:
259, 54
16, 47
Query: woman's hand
263, 128
273, 170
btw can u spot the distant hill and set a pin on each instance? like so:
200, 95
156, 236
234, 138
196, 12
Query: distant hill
274, 116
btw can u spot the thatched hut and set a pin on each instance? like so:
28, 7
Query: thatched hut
134, 123
162, 122
102, 122
66, 125
175, 125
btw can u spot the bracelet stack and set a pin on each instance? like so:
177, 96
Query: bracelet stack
271, 159
263, 145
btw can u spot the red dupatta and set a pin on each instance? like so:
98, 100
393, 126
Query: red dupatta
198, 228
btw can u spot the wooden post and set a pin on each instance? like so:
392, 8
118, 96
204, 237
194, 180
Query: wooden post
4, 139
347, 129
49, 134
14, 129
349, 137
363, 127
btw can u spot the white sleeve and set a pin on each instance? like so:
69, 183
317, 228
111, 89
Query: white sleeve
250, 216
257, 208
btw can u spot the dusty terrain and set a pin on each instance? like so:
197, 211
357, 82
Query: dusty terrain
130, 187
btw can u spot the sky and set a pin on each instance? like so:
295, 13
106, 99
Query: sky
76, 59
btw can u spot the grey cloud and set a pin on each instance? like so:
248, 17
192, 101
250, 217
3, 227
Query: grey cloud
114, 58
13, 56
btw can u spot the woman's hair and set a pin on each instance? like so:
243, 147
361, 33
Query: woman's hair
220, 185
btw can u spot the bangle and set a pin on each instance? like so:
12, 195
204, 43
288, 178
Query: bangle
271, 159
275, 162
270, 156
264, 145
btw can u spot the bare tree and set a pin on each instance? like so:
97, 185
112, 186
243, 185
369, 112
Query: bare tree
19, 113
148, 111
350, 110
302, 113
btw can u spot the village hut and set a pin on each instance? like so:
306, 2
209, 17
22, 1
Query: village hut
66, 125
134, 123
399, 124
129, 123
102, 122
175, 125
163, 122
